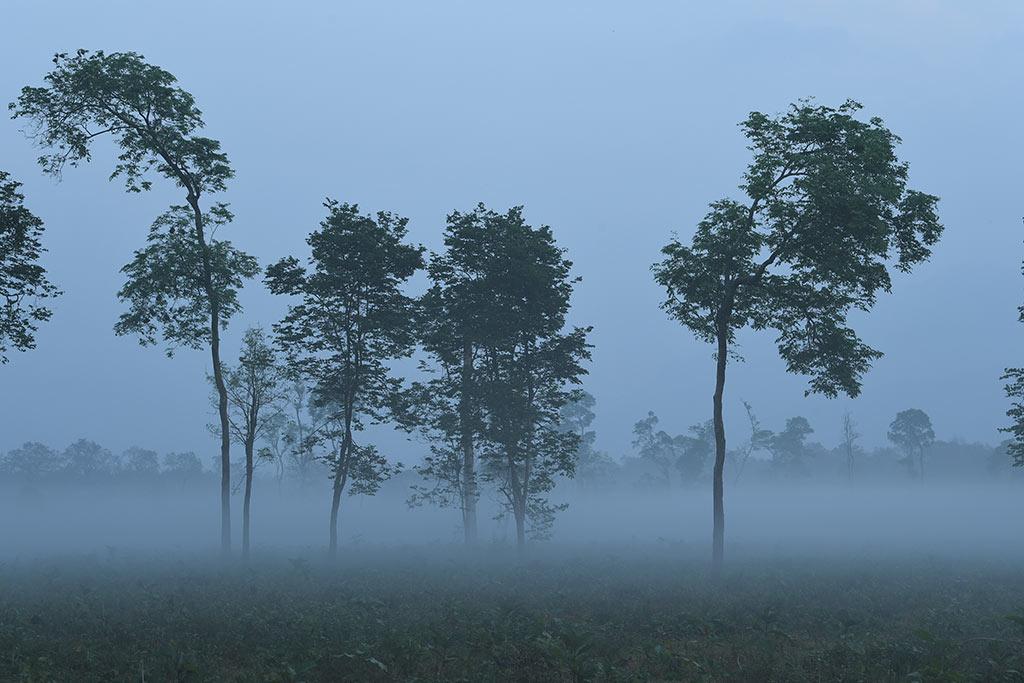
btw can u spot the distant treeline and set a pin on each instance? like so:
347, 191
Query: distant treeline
658, 461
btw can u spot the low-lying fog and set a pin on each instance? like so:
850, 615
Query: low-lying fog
762, 518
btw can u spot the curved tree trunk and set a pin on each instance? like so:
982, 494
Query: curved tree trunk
332, 551
718, 532
218, 380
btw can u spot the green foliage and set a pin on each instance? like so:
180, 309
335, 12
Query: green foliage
1014, 378
153, 121
23, 281
528, 360
166, 288
256, 388
611, 614
350, 321
827, 213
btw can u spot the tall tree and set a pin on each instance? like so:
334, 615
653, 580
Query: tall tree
351, 319
156, 125
455, 315
912, 433
255, 396
530, 360
1014, 388
23, 282
827, 211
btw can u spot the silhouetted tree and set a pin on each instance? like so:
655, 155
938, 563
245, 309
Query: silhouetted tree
184, 466
528, 365
577, 416
697, 448
23, 282
657, 447
32, 461
351, 320
155, 124
140, 462
456, 314
911, 432
1014, 388
827, 211
85, 459
790, 445
256, 388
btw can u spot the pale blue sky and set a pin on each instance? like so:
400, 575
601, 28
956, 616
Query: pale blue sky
615, 123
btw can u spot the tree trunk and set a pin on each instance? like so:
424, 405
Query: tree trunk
468, 457
218, 380
520, 515
340, 477
332, 551
246, 504
718, 494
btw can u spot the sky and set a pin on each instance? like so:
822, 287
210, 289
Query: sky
615, 123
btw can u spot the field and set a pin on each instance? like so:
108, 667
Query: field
600, 612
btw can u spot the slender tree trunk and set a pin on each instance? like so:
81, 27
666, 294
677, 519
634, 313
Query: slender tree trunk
332, 551
218, 380
246, 504
520, 515
718, 492
468, 456
340, 477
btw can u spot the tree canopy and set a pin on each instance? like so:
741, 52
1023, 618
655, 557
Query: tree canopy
24, 285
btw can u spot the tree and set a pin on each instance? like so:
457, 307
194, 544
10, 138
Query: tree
32, 461
656, 447
351, 320
184, 466
695, 450
529, 363
456, 314
86, 459
255, 394
156, 125
827, 212
789, 447
23, 282
911, 432
1014, 388
850, 447
141, 461
577, 416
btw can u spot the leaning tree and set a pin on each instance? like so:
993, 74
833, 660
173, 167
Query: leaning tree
23, 283
826, 213
156, 126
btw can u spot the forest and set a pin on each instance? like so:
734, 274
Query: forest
404, 473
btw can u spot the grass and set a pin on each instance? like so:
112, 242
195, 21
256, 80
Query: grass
624, 613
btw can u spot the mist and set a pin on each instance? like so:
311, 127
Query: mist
551, 341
